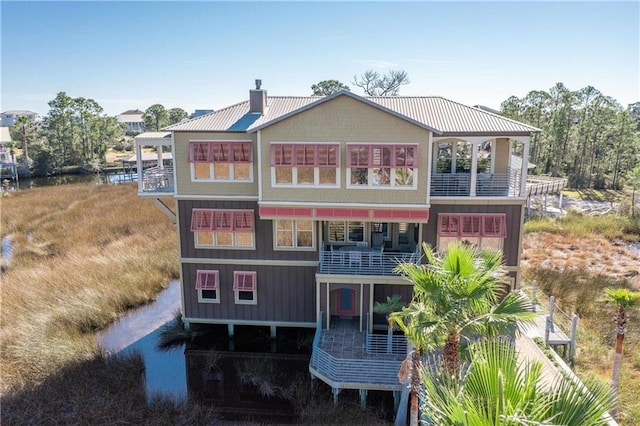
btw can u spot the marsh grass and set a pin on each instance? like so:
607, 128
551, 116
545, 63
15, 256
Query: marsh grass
574, 223
82, 255
575, 258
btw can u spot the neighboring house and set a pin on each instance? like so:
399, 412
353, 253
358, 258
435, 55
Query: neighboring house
133, 119
9, 117
200, 112
292, 209
8, 166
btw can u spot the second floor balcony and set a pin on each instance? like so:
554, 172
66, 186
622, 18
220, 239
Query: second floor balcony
364, 260
485, 184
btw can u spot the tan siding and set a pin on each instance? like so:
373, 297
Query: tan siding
345, 120
502, 155
183, 169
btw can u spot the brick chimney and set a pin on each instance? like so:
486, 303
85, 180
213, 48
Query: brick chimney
257, 99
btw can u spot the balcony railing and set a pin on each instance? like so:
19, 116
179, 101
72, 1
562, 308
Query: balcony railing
380, 344
374, 262
156, 179
487, 184
365, 371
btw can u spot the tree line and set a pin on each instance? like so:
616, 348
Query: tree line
76, 132
585, 135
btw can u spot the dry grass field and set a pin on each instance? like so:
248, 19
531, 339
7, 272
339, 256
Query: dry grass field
574, 259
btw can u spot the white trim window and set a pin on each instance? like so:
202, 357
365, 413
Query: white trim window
312, 164
244, 288
346, 232
221, 161
294, 234
227, 229
207, 285
381, 165
485, 231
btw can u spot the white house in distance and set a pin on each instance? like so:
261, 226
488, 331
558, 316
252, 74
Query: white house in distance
133, 119
9, 117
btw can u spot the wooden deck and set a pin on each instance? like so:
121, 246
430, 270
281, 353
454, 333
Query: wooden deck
339, 359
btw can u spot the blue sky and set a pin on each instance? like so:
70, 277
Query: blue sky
207, 54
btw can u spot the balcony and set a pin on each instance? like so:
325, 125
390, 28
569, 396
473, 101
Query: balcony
340, 358
351, 260
157, 179
486, 185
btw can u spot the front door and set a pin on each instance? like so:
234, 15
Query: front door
346, 302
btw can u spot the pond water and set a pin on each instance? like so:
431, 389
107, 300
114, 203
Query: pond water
139, 332
7, 250
230, 374
97, 178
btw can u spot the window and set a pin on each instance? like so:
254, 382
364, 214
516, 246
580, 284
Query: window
221, 161
223, 228
389, 165
346, 232
244, 288
486, 231
294, 234
304, 164
207, 283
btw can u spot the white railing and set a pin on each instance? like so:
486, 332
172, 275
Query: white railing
487, 184
537, 185
371, 371
379, 343
156, 179
344, 262
450, 184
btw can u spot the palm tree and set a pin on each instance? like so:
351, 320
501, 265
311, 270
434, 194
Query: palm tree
392, 305
623, 299
498, 390
455, 297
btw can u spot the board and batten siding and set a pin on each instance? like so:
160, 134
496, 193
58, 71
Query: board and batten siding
511, 248
345, 120
184, 184
284, 294
263, 235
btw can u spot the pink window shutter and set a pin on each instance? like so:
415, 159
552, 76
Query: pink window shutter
201, 220
471, 226
199, 152
223, 221
207, 280
242, 152
448, 225
243, 221
494, 226
244, 281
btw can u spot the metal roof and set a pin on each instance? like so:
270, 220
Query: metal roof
5, 135
440, 115
153, 135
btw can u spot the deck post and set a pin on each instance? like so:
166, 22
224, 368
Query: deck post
230, 330
363, 399
560, 200
273, 331
335, 392
574, 328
